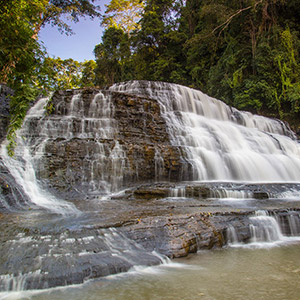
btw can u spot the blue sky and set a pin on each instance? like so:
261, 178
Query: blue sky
80, 45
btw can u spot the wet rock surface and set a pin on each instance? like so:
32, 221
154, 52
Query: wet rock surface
90, 145
11, 194
132, 129
40, 250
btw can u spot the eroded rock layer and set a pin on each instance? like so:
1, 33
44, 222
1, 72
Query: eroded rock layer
92, 149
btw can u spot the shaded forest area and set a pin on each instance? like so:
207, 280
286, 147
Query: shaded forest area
244, 52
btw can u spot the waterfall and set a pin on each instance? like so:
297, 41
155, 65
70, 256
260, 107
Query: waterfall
220, 142
264, 228
231, 234
223, 193
22, 166
89, 122
267, 230
77, 124
177, 192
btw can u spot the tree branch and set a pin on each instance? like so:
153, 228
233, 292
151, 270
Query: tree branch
227, 22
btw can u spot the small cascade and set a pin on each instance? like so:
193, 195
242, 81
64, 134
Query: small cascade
159, 165
289, 223
18, 283
81, 256
267, 230
264, 228
89, 123
294, 224
76, 124
231, 194
220, 142
231, 235
177, 192
104, 158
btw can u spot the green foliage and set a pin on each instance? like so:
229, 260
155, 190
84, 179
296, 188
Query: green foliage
22, 57
153, 51
123, 14
58, 74
19, 105
20, 23
243, 52
49, 107
113, 57
19, 49
88, 76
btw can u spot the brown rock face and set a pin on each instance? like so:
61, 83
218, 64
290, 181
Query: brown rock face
102, 142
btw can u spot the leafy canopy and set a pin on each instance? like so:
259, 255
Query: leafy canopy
22, 56
243, 52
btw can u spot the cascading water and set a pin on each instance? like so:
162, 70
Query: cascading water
87, 145
22, 166
115, 253
267, 230
220, 142
103, 163
264, 228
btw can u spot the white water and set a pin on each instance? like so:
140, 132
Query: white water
266, 231
220, 142
265, 228
104, 163
178, 192
231, 194
22, 167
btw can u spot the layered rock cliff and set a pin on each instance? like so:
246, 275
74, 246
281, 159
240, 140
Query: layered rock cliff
125, 145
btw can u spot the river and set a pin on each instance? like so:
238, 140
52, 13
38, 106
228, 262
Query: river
269, 272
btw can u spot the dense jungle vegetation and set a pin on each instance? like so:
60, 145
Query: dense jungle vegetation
245, 52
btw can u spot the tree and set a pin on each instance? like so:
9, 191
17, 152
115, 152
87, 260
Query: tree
19, 26
88, 76
113, 57
123, 14
19, 49
158, 44
244, 53
20, 53
58, 74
